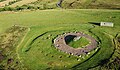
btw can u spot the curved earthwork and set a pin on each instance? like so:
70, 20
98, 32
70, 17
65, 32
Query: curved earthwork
60, 43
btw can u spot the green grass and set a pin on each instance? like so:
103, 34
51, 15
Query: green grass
81, 43
38, 52
105, 52
42, 47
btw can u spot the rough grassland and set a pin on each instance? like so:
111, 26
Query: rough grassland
23, 2
2, 4
20, 3
72, 4
78, 4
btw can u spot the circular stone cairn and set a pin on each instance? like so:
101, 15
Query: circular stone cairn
60, 43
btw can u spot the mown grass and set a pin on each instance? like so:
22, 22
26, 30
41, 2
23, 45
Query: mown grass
106, 47
42, 46
43, 18
60, 21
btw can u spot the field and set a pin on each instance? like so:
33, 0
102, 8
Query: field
37, 51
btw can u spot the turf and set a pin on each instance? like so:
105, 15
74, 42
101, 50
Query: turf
43, 46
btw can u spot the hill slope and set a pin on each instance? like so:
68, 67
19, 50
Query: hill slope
73, 4
109, 4
14, 3
92, 4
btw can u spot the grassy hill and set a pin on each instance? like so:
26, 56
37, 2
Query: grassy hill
14, 3
110, 4
72, 4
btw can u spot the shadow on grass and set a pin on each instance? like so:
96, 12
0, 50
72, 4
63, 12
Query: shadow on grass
69, 38
95, 23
